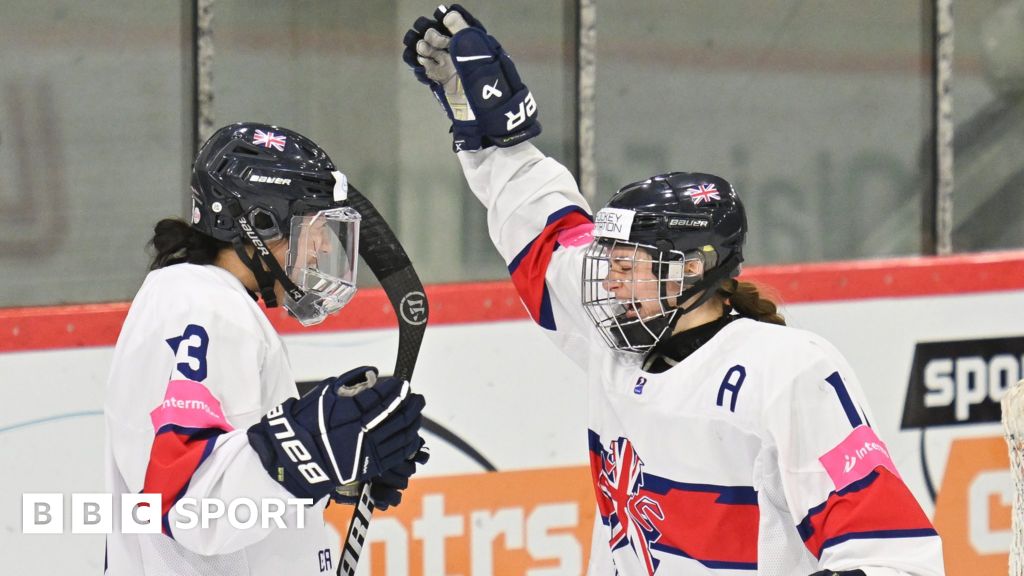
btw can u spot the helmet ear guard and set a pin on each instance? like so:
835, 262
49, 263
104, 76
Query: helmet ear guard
708, 282
674, 271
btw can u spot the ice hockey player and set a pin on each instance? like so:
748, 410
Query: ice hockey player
201, 403
721, 441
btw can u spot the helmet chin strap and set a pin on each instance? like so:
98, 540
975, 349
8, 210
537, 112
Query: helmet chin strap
264, 279
261, 256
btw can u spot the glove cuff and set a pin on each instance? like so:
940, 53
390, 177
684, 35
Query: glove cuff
516, 137
466, 137
263, 447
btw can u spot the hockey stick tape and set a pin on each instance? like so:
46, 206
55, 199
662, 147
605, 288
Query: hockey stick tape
349, 391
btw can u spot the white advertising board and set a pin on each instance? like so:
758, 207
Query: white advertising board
503, 390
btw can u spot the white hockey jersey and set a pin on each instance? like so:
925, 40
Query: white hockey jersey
754, 455
197, 363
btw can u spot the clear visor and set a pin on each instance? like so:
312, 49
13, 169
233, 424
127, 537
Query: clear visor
629, 290
323, 255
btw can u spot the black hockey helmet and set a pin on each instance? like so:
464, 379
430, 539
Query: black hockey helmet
265, 173
674, 217
255, 183
681, 211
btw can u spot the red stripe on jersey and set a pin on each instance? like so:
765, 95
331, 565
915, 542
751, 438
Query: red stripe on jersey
175, 456
879, 506
698, 524
529, 268
604, 505
706, 523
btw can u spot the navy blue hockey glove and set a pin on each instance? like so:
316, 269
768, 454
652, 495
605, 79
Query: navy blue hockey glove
347, 429
386, 489
473, 78
844, 573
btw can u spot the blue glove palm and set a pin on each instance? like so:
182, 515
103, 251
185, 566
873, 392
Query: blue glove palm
473, 78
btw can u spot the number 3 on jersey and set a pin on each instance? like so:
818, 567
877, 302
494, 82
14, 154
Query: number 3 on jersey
190, 352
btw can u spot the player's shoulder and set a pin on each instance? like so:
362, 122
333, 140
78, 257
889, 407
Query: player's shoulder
189, 281
208, 292
778, 344
773, 334
783, 362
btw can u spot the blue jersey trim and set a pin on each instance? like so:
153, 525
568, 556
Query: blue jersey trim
743, 495
880, 535
714, 564
727, 494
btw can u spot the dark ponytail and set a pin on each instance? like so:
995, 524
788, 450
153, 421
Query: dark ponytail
745, 298
174, 242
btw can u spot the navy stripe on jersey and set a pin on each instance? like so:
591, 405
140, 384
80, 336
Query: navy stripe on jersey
713, 564
658, 485
726, 494
709, 563
880, 534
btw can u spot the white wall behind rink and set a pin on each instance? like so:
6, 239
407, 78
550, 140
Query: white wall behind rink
499, 386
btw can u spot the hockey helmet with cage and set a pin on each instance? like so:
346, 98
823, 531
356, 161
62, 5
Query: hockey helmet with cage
662, 223
254, 184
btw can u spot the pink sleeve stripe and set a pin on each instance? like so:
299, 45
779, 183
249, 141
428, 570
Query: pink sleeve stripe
856, 456
189, 404
577, 235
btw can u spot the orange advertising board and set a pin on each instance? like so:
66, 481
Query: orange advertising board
531, 522
973, 509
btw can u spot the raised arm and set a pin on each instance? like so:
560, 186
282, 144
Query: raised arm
537, 218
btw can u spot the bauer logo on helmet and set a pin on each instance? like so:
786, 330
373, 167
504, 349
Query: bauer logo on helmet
699, 223
270, 180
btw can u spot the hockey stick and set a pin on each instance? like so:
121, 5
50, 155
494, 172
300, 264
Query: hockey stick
383, 253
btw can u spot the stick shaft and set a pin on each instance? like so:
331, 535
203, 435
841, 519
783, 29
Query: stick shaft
383, 253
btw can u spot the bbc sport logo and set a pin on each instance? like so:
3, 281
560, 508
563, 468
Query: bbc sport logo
94, 513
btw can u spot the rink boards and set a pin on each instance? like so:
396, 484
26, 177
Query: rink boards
934, 341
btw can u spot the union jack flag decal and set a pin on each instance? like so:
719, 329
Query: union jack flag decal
633, 519
703, 193
269, 140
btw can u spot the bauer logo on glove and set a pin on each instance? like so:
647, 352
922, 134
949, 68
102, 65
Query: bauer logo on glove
293, 448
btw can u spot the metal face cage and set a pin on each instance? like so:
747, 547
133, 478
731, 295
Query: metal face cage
630, 290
